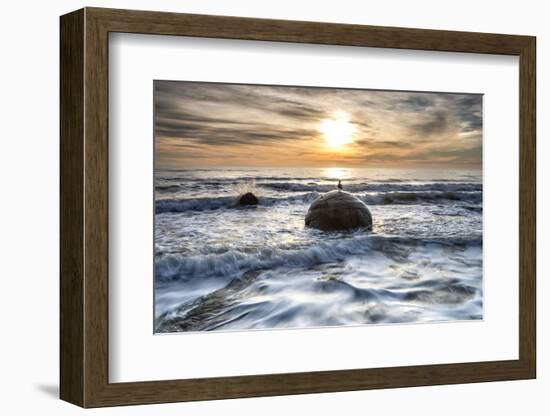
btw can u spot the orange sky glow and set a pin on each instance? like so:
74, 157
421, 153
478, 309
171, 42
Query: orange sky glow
215, 124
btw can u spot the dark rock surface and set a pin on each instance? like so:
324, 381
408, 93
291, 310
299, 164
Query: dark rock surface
338, 210
248, 199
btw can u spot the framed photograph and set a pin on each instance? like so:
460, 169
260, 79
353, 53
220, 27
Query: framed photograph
255, 207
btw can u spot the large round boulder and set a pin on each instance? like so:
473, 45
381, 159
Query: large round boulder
338, 210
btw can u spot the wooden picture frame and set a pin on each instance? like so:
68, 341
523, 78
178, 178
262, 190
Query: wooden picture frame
84, 207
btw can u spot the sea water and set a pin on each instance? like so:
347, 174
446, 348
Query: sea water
220, 266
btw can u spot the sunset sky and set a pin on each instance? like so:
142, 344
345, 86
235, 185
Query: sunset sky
214, 124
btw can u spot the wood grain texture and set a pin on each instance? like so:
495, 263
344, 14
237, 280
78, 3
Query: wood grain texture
226, 27
96, 208
71, 185
527, 208
84, 207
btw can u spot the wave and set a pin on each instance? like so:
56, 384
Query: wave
233, 262
376, 187
188, 176
208, 204
402, 198
380, 198
313, 186
238, 179
167, 188
197, 204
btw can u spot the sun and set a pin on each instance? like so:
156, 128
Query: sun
337, 130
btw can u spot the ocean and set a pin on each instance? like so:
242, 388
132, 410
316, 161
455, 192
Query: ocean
220, 266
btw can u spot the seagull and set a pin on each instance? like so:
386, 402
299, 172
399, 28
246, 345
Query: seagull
340, 185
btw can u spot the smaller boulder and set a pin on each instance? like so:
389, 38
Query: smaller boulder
248, 199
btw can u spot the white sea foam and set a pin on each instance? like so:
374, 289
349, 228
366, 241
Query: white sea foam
221, 266
374, 198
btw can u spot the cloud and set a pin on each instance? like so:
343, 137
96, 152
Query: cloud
222, 123
437, 122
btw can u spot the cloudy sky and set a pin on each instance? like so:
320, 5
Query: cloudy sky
214, 124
